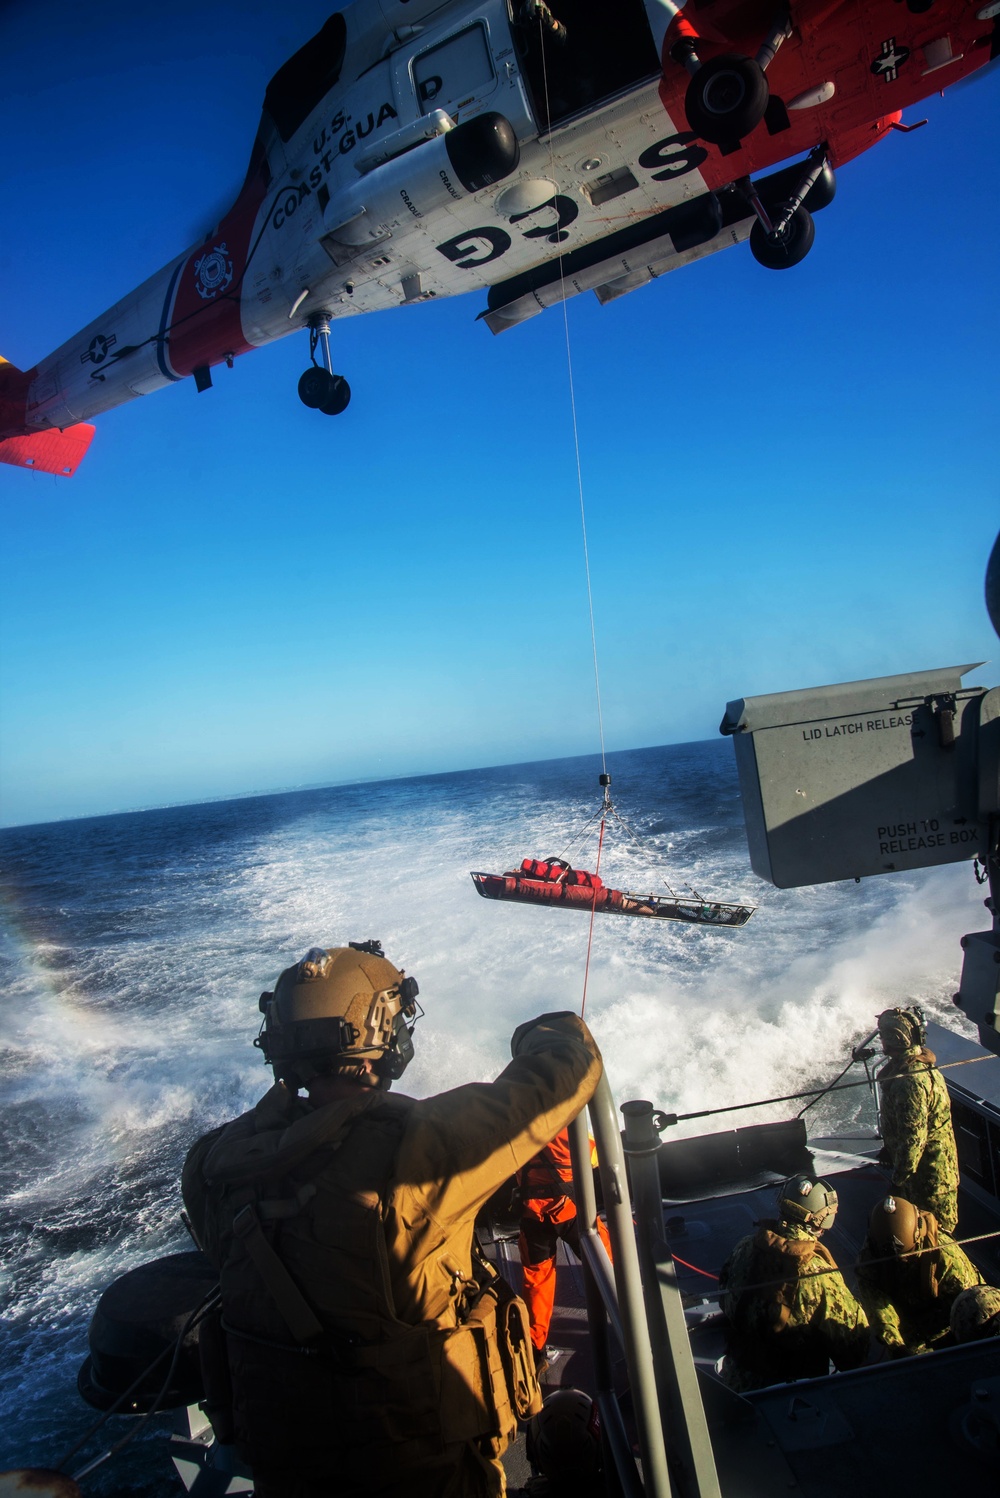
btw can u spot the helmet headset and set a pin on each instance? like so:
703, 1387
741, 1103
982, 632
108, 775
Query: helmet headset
902, 1029
898, 1227
901, 1233
337, 1009
807, 1203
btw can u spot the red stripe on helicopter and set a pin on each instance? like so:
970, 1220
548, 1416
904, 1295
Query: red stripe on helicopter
205, 326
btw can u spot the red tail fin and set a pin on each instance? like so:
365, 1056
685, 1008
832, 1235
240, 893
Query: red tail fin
47, 452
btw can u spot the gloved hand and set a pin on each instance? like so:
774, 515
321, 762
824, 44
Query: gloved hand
517, 1039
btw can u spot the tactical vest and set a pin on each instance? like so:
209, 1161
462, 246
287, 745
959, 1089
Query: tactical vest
772, 1346
324, 1374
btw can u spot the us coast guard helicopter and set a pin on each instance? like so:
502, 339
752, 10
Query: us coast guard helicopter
422, 148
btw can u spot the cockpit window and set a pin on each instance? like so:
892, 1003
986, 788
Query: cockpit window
301, 83
445, 76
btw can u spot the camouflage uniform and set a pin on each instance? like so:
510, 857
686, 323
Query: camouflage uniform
916, 1127
801, 1316
909, 1308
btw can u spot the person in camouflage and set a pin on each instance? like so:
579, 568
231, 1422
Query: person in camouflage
789, 1311
916, 1119
909, 1276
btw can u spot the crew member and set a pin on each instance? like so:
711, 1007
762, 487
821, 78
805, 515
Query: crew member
916, 1118
548, 1213
370, 1350
909, 1275
789, 1311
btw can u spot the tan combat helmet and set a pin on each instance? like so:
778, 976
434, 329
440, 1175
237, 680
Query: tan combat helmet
975, 1314
901, 1029
896, 1226
898, 1230
807, 1203
338, 1007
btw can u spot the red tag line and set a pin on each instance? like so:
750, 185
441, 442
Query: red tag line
678, 1260
593, 908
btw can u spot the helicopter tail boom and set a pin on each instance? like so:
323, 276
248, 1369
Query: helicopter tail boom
53, 451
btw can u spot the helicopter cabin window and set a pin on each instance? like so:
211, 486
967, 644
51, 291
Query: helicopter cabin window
607, 50
456, 73
297, 87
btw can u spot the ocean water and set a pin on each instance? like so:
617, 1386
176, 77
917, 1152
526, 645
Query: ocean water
133, 949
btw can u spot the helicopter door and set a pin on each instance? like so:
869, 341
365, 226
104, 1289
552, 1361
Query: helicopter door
608, 50
457, 75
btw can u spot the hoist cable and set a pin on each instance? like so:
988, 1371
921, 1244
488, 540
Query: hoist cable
583, 511
572, 403
579, 480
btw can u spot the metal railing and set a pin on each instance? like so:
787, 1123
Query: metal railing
637, 1299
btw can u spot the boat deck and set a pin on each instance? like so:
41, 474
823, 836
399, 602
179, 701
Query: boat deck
881, 1429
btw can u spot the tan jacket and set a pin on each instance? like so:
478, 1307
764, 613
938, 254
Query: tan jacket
370, 1205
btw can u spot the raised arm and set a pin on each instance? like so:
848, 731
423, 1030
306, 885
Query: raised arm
460, 1146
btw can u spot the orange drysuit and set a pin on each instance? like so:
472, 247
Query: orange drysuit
548, 1213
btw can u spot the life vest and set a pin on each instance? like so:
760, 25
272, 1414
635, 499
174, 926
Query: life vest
549, 1174
325, 1376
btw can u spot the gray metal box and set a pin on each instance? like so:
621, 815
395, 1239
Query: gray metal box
864, 777
980, 987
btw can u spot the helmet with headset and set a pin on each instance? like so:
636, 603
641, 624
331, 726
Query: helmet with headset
900, 1030
807, 1203
898, 1227
336, 1009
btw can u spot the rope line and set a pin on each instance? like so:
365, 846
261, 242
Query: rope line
791, 1097
832, 1269
590, 933
708, 1275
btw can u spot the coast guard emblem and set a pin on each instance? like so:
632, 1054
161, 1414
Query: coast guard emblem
213, 272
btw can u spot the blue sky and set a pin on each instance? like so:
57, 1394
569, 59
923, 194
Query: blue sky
790, 478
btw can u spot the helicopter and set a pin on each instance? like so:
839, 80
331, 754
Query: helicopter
417, 149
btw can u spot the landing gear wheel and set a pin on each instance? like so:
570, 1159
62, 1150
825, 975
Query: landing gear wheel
338, 398
781, 251
314, 386
726, 98
322, 391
